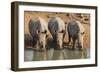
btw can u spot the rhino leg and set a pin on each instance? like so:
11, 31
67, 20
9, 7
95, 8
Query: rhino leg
37, 45
69, 40
74, 43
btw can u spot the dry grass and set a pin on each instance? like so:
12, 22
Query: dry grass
65, 16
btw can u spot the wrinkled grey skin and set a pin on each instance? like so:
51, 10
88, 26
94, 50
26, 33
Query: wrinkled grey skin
39, 30
56, 27
75, 32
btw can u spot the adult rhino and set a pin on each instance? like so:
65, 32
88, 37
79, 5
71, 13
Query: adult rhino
39, 30
75, 32
57, 28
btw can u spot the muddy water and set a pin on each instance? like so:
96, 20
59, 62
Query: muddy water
52, 54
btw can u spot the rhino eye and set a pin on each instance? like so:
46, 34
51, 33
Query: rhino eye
44, 32
38, 31
61, 31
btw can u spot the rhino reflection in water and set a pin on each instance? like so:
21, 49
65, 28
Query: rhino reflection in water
59, 55
52, 54
40, 56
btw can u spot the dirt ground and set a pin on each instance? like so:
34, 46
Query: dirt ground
83, 18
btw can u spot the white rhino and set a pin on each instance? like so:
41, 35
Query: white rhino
57, 28
39, 30
75, 32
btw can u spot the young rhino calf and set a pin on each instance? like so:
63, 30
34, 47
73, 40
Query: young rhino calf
39, 30
76, 33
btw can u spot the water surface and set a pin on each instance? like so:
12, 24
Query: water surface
52, 54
